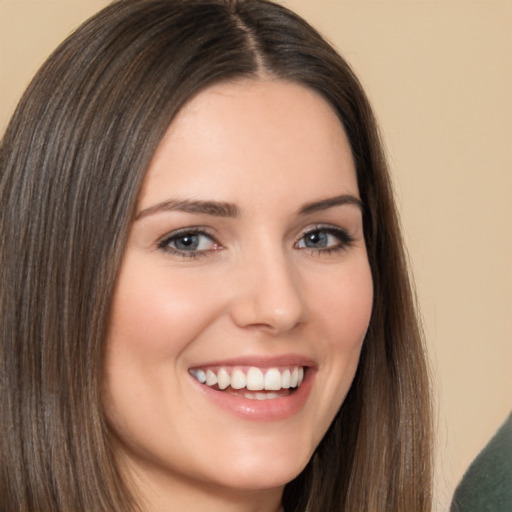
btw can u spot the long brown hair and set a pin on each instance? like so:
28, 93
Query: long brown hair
72, 162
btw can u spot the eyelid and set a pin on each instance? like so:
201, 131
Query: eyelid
163, 242
343, 235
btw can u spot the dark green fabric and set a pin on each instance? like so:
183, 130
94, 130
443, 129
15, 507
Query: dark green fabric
487, 484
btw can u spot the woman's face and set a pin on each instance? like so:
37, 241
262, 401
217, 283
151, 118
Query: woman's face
245, 266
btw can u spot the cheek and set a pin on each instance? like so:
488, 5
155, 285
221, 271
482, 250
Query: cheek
345, 305
156, 317
343, 310
157, 312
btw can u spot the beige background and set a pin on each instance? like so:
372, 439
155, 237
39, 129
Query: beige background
439, 74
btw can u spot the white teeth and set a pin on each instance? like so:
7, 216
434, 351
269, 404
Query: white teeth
273, 379
294, 378
253, 380
223, 379
261, 396
238, 380
300, 377
211, 378
286, 379
199, 375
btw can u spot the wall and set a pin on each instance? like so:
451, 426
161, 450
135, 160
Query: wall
439, 75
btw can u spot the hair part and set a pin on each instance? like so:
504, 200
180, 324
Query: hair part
72, 163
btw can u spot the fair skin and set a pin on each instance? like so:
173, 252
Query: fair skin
247, 255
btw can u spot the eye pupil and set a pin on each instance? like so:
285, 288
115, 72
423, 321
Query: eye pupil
187, 242
316, 239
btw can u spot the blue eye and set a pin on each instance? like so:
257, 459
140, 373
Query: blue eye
317, 239
325, 239
189, 243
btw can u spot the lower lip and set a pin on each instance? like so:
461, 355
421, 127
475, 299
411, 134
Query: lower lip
273, 409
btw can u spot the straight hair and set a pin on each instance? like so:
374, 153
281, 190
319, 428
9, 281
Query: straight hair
72, 162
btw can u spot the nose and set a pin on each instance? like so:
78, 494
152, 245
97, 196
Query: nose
268, 295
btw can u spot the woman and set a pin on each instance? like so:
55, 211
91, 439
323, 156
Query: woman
204, 294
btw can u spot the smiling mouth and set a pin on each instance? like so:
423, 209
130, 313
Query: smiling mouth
251, 382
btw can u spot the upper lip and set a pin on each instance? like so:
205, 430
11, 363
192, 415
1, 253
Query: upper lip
260, 361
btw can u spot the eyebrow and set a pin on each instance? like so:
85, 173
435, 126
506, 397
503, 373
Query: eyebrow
223, 209
214, 208
331, 202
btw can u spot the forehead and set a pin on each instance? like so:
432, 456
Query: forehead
270, 135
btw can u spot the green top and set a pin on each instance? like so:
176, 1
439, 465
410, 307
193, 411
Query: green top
487, 484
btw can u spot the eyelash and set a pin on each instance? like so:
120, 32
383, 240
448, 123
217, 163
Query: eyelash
164, 244
345, 240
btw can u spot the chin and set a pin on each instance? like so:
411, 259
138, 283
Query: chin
252, 479
259, 469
